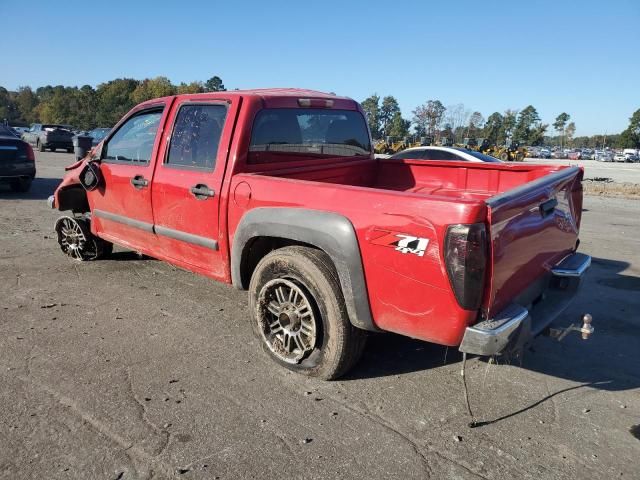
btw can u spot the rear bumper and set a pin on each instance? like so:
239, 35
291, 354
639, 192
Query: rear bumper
531, 313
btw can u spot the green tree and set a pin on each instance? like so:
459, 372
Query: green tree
388, 111
528, 118
114, 100
214, 84
26, 102
560, 124
493, 128
476, 121
193, 87
508, 125
8, 108
630, 137
152, 88
569, 132
371, 107
399, 126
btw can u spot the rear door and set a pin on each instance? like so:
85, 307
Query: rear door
532, 228
187, 183
121, 207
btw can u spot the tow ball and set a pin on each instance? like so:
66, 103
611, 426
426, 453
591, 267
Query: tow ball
586, 330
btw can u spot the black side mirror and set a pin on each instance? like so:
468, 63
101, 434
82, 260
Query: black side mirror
91, 176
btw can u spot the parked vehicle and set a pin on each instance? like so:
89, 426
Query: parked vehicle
574, 155
619, 157
544, 153
97, 135
458, 154
49, 136
17, 161
604, 156
558, 154
277, 192
20, 130
631, 154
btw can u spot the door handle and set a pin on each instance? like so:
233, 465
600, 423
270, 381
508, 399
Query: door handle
201, 191
139, 182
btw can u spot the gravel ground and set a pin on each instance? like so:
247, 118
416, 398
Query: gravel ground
129, 368
609, 171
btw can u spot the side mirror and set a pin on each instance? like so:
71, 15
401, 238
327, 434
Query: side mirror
90, 177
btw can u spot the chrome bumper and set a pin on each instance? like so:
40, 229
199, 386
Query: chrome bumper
517, 324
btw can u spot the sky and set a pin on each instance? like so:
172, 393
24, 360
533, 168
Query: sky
580, 57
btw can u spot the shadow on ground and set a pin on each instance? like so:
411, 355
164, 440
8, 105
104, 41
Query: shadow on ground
40, 189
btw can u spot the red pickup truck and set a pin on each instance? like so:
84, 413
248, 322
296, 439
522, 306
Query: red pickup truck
278, 192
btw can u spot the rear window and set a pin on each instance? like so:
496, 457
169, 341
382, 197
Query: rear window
280, 133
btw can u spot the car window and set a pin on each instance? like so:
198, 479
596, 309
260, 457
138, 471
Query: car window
478, 155
307, 132
133, 142
440, 155
196, 136
409, 154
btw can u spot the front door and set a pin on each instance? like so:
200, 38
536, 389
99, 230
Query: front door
121, 206
187, 183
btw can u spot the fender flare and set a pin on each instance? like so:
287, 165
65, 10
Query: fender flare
331, 232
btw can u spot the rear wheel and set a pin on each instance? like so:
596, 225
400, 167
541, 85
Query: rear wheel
53, 149
77, 241
69, 150
299, 315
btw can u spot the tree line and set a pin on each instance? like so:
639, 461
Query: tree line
87, 107
455, 123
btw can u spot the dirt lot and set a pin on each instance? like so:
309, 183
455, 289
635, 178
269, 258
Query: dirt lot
129, 368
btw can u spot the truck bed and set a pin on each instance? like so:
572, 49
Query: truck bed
421, 198
455, 180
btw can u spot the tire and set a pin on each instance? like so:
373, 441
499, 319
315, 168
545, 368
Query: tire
21, 185
77, 241
69, 150
504, 157
53, 149
40, 146
309, 331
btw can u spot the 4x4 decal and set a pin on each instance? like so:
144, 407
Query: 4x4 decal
403, 243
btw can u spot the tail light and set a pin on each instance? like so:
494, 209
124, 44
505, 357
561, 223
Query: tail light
465, 256
31, 157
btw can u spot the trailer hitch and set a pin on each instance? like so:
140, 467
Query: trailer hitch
586, 330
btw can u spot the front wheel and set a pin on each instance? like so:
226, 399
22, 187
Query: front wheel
299, 315
77, 241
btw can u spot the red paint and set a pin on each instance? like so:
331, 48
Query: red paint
408, 293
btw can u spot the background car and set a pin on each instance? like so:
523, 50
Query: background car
443, 153
544, 153
97, 135
17, 161
619, 157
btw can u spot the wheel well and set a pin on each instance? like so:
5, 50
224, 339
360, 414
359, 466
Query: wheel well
257, 248
73, 198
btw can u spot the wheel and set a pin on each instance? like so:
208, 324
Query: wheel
299, 315
40, 146
77, 241
53, 149
69, 150
519, 157
21, 185
504, 157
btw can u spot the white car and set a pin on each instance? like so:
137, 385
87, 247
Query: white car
443, 153
619, 157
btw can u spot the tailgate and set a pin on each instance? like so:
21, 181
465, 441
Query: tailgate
532, 228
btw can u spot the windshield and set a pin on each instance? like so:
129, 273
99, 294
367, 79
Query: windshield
311, 132
478, 155
99, 133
